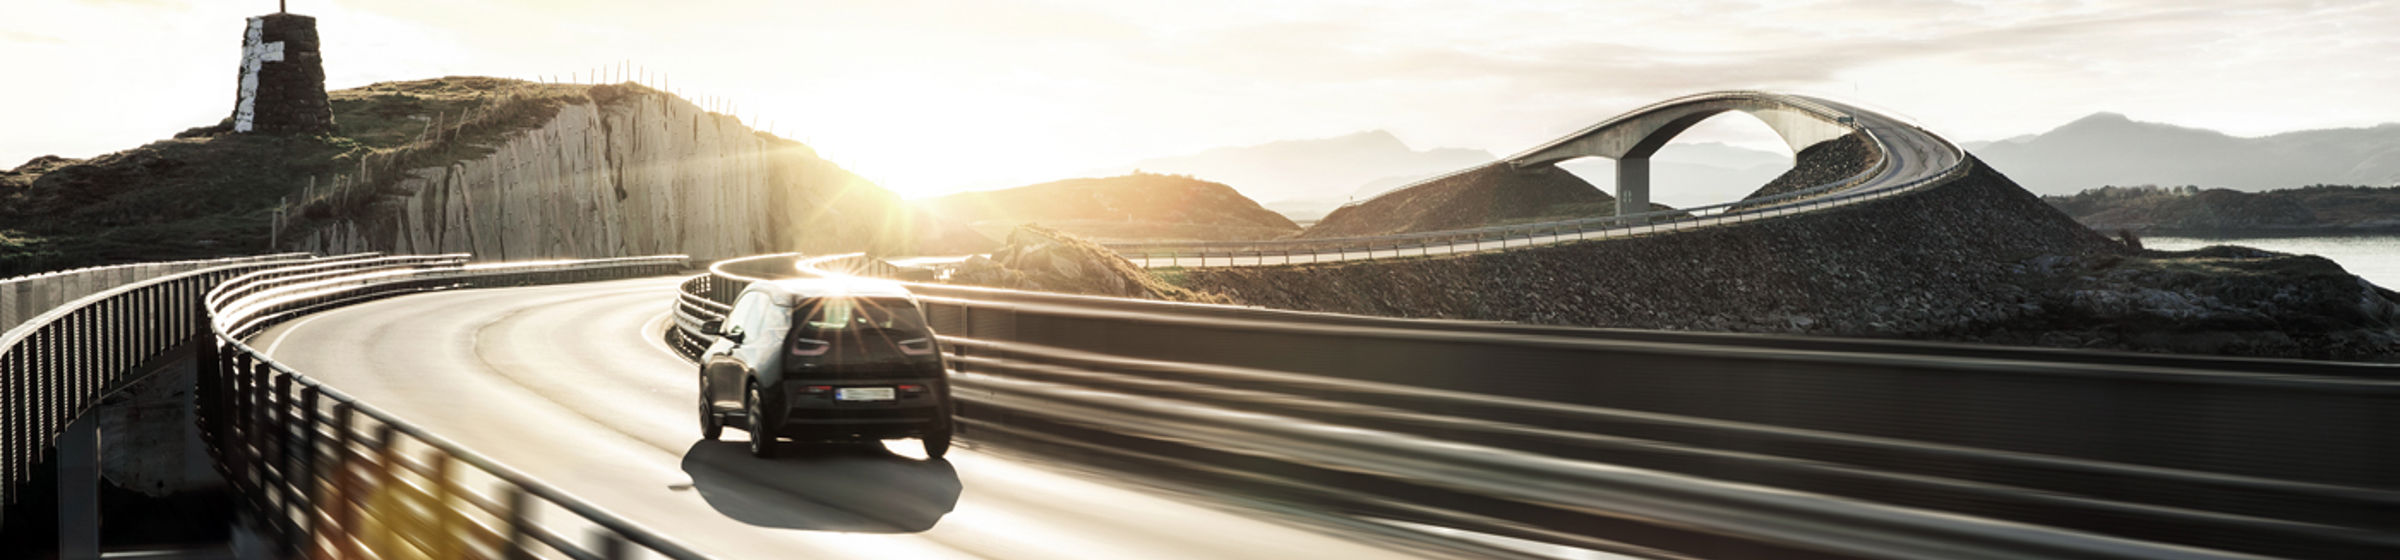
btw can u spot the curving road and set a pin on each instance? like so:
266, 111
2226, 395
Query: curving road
570, 384
1914, 154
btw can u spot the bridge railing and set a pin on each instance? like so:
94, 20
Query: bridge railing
335, 477
23, 297
57, 364
2045, 450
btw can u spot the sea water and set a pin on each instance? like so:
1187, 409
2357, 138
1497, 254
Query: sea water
2373, 257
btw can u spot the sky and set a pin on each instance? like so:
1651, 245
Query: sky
927, 97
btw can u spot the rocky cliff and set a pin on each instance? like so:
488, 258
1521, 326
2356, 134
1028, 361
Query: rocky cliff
635, 171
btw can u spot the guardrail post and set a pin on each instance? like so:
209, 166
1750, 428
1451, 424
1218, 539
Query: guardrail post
237, 451
273, 479
519, 543
286, 486
311, 488
612, 545
13, 459
383, 495
448, 522
345, 495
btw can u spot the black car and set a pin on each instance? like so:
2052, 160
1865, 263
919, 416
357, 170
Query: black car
825, 360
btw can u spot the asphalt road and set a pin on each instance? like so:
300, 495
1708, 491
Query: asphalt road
571, 385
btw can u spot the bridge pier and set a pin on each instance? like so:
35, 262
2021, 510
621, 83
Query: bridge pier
1633, 185
79, 490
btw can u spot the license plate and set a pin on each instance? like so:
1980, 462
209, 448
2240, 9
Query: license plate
863, 394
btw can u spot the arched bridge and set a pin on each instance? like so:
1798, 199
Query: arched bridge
1907, 158
1632, 137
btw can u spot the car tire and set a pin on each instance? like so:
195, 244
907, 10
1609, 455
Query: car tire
712, 426
762, 435
937, 440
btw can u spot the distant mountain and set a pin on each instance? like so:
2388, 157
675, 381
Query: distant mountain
1141, 206
1320, 172
2110, 149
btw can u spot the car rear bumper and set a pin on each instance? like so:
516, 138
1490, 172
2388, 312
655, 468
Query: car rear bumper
819, 415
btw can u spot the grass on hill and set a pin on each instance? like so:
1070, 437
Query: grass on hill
207, 192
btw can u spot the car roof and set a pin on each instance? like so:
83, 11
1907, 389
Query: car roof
788, 292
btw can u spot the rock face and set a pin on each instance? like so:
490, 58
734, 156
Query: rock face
1140, 206
2216, 300
1038, 258
1825, 162
638, 172
1978, 259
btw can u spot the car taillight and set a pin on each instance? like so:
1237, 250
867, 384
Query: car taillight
810, 347
917, 346
911, 388
819, 388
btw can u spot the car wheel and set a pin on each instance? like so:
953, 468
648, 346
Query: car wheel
937, 441
712, 426
762, 437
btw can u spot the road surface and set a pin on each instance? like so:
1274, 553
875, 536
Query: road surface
571, 385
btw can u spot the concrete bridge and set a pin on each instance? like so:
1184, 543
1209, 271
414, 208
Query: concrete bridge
1632, 137
1907, 158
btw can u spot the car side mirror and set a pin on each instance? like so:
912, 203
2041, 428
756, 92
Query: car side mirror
712, 328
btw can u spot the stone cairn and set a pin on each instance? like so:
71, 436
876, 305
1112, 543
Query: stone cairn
282, 88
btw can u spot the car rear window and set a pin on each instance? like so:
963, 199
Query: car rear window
861, 329
835, 317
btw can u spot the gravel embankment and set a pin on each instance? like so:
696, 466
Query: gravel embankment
1826, 162
1979, 259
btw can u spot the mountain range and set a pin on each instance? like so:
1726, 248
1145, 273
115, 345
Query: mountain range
2110, 149
1307, 178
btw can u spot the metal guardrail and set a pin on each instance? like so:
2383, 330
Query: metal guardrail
335, 477
57, 365
2161, 454
1299, 251
23, 297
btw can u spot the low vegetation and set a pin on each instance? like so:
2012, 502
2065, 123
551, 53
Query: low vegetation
207, 192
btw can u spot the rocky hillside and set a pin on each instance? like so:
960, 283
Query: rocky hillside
1140, 206
503, 168
1825, 162
1493, 194
2321, 209
1979, 259
629, 170
1039, 258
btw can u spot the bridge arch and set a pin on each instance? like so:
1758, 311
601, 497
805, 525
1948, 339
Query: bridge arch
1631, 138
